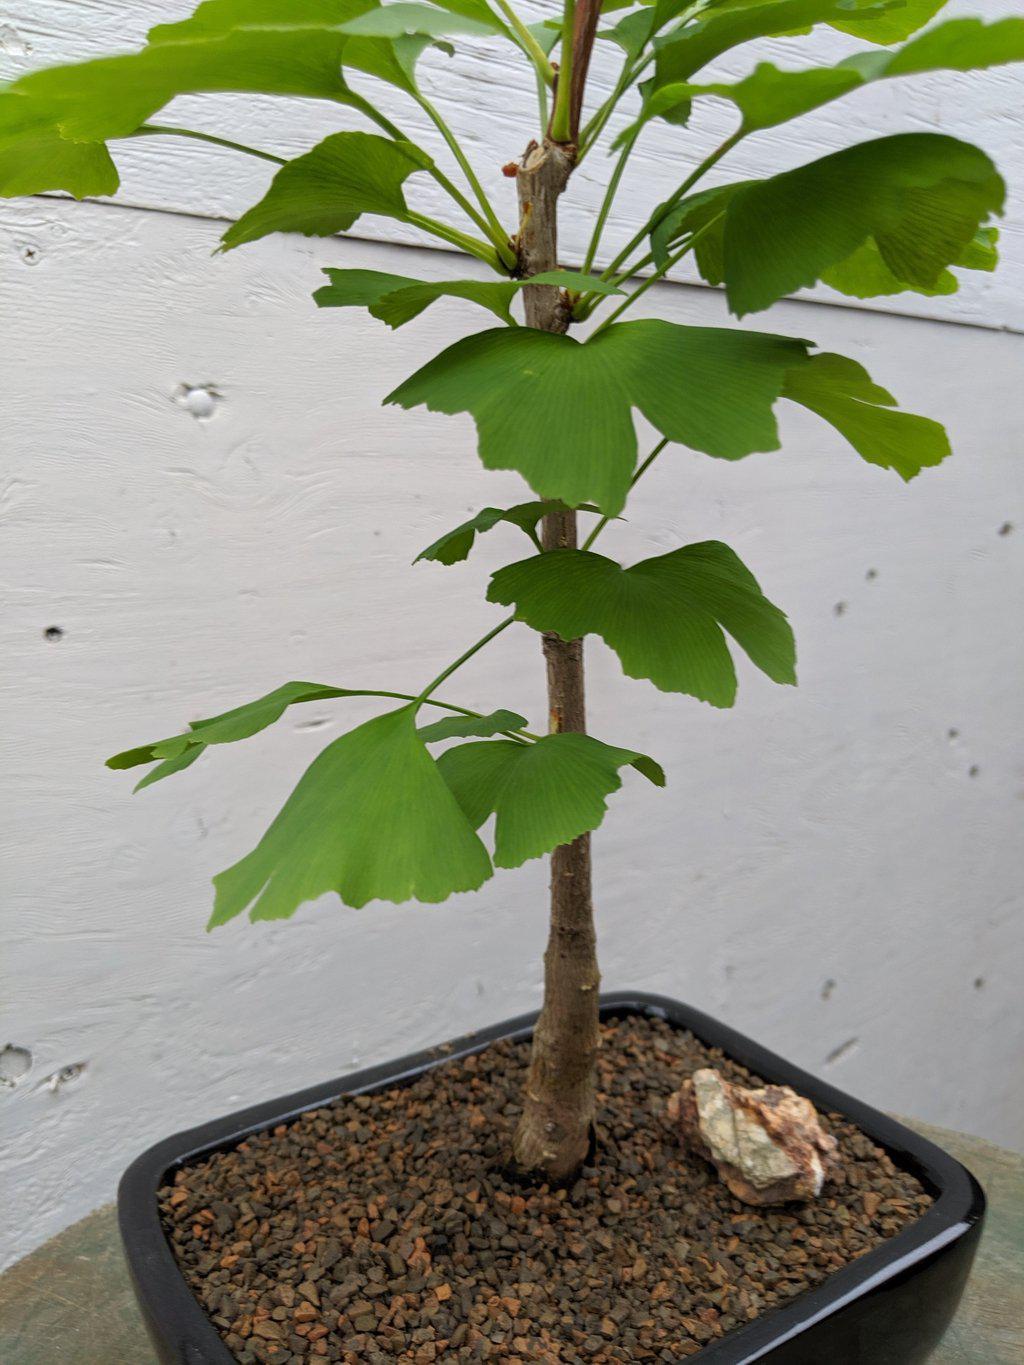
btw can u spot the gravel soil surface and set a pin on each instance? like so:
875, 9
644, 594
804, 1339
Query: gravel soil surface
386, 1227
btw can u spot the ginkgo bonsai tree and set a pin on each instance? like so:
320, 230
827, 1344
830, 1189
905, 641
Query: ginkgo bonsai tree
381, 813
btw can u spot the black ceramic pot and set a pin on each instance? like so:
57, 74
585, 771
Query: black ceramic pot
890, 1307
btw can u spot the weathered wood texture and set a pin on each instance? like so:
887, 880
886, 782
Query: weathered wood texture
70, 1302
487, 93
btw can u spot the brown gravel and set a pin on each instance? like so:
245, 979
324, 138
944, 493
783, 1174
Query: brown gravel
384, 1228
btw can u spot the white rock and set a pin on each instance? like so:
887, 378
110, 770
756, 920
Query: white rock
767, 1145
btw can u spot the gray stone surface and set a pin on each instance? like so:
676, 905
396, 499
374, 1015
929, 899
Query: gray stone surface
70, 1302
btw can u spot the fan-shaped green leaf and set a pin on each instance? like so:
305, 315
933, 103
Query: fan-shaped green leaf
291, 22
543, 404
218, 17
685, 51
475, 9
459, 727
764, 98
456, 544
664, 617
865, 275
957, 45
35, 162
891, 23
981, 252
842, 392
397, 299
111, 97
559, 411
239, 723
632, 32
170, 766
544, 794
393, 21
702, 213
359, 288
769, 96
372, 819
920, 196
327, 189
574, 280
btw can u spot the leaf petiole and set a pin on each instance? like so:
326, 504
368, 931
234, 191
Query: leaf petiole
490, 222
561, 118
148, 129
529, 44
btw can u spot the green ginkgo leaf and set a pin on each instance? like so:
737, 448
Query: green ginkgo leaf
632, 32
664, 617
241, 722
35, 162
843, 393
764, 98
957, 45
371, 819
397, 299
456, 544
769, 96
327, 189
290, 22
865, 274
576, 281
392, 21
112, 96
559, 411
685, 51
218, 17
481, 727
282, 47
920, 196
890, 23
479, 10
170, 766
544, 794
701, 216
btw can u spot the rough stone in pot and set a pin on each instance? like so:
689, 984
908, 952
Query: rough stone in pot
767, 1145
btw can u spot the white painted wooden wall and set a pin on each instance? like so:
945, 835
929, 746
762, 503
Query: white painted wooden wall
835, 868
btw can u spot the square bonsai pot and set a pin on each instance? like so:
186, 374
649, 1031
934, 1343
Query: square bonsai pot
889, 1307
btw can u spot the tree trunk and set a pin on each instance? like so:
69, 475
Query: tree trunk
553, 1136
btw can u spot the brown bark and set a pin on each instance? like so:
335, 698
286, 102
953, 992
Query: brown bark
584, 31
553, 1135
